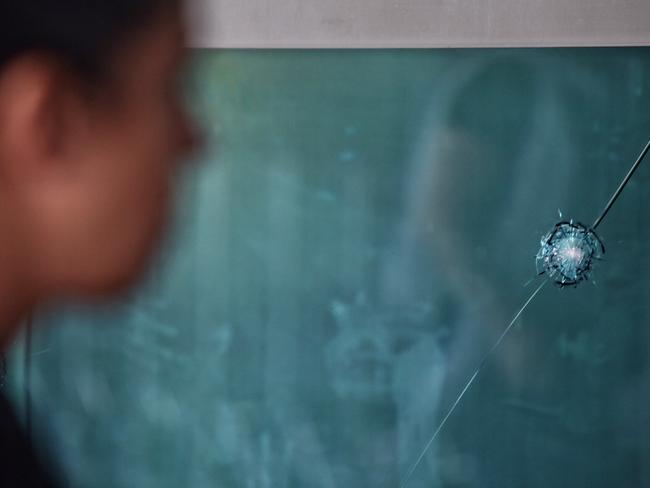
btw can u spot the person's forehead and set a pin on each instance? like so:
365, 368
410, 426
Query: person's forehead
158, 46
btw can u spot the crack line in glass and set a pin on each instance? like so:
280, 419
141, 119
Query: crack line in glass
587, 233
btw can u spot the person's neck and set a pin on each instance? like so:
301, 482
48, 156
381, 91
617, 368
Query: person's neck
16, 300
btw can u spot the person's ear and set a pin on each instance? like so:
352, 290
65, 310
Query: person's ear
35, 119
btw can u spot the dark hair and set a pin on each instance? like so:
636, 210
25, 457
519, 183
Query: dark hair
81, 33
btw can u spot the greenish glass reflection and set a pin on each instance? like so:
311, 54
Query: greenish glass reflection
357, 236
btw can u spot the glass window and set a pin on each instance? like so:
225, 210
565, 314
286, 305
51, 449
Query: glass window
360, 231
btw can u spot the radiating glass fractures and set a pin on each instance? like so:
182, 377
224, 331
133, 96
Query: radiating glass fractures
567, 253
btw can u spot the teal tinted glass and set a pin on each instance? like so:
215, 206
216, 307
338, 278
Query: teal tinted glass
362, 227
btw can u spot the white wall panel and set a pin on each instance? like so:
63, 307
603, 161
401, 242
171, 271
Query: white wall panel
419, 23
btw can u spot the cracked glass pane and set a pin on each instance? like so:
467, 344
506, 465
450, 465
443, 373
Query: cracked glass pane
360, 231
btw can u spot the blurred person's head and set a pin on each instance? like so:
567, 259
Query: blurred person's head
91, 128
499, 153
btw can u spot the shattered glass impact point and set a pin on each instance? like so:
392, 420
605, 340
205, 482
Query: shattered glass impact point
568, 252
